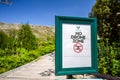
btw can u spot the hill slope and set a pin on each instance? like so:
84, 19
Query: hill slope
39, 31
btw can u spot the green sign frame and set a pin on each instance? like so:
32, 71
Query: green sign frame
59, 70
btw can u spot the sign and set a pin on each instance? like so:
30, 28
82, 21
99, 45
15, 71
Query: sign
76, 45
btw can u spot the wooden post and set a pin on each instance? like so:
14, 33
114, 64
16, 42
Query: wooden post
69, 77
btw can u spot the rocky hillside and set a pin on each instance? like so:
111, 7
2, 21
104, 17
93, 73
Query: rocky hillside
39, 31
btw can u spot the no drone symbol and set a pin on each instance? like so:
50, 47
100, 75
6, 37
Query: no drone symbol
78, 47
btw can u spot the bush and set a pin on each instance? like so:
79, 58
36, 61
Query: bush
3, 40
22, 56
2, 53
109, 58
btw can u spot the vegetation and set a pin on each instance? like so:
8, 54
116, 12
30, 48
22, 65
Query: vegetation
109, 58
26, 38
106, 13
109, 32
21, 46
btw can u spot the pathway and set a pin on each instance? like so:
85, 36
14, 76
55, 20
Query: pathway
42, 69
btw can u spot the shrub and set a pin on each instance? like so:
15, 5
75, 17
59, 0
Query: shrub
22, 56
3, 40
109, 58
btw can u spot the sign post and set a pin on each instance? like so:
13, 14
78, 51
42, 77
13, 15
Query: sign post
76, 45
69, 77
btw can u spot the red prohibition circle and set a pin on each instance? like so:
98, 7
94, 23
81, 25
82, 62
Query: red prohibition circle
78, 47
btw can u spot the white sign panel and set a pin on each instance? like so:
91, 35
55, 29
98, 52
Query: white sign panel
76, 45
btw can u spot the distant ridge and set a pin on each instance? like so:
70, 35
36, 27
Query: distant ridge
2, 23
38, 30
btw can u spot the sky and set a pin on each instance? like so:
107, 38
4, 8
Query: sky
43, 12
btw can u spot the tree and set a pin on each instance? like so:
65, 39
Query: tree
108, 30
106, 13
26, 37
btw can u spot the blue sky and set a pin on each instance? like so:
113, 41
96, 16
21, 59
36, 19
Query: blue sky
43, 12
